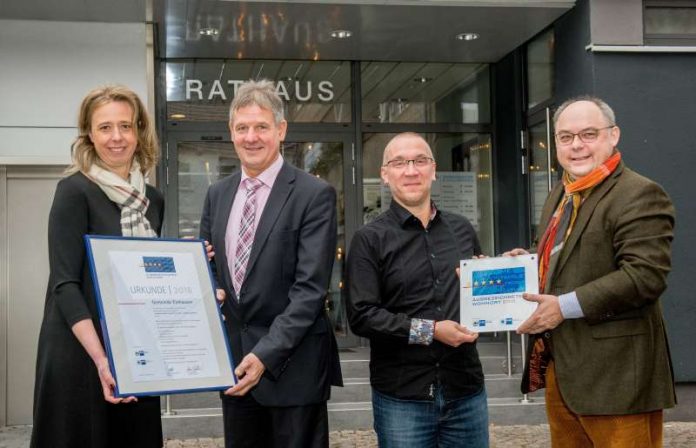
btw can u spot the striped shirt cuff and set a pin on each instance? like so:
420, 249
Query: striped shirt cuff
422, 331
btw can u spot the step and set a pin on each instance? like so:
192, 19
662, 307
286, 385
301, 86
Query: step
492, 364
493, 356
350, 407
207, 422
354, 390
358, 389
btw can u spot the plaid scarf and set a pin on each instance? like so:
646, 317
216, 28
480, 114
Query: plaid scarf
551, 245
129, 196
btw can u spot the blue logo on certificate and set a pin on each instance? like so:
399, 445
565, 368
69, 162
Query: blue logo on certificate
159, 265
498, 281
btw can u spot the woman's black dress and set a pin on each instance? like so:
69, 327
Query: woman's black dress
69, 406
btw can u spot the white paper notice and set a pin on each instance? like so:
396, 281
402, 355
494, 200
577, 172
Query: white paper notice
165, 325
491, 292
453, 191
540, 191
456, 192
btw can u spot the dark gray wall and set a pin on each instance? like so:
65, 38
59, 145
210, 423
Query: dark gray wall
654, 97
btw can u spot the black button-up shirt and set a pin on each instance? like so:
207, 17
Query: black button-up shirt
396, 271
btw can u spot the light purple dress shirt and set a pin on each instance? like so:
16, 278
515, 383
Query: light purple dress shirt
267, 178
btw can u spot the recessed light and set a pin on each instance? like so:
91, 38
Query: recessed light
341, 34
422, 79
177, 116
467, 36
209, 31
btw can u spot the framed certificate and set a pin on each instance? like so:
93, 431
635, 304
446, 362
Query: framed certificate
162, 328
491, 292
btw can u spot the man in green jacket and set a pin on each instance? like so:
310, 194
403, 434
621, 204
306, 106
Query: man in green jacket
598, 340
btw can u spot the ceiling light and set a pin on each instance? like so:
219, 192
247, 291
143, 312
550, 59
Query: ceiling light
467, 36
341, 34
209, 31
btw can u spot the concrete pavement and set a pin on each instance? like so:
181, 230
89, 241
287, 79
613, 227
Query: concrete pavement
676, 435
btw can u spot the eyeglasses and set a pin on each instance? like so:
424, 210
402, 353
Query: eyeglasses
418, 162
588, 135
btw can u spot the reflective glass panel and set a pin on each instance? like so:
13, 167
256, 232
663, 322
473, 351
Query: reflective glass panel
203, 163
539, 173
463, 185
667, 21
540, 69
313, 91
425, 92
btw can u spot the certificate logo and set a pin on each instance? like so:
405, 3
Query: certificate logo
159, 265
498, 281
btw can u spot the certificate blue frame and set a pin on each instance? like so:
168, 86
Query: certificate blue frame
119, 392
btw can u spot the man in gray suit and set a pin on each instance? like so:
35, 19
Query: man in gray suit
598, 340
274, 230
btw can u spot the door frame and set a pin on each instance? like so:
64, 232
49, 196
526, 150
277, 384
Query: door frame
540, 116
168, 178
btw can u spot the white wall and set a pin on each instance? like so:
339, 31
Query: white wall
46, 68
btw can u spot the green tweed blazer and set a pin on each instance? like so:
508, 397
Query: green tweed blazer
616, 359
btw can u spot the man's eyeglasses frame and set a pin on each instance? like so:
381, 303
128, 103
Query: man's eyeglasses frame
418, 162
594, 134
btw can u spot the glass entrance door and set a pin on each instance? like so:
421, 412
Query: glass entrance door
543, 168
202, 160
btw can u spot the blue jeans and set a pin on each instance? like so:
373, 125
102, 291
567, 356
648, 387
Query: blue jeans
439, 423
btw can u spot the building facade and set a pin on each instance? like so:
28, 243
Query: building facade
478, 79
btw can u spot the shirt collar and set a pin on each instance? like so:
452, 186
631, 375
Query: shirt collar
403, 216
269, 175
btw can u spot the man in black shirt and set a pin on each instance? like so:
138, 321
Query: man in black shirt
403, 294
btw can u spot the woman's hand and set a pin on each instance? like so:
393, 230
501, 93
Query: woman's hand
85, 333
108, 384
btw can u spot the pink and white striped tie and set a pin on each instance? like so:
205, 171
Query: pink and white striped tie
247, 228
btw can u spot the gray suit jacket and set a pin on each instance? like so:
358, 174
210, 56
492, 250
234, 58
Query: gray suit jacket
279, 314
616, 359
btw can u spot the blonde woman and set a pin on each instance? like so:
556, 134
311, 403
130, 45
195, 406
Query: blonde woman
104, 194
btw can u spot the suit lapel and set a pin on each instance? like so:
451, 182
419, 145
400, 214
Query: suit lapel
584, 214
222, 219
282, 188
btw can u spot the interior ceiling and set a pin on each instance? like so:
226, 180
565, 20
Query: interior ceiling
383, 31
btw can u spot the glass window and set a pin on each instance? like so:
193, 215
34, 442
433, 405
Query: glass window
539, 177
202, 163
421, 92
540, 69
314, 91
670, 25
463, 185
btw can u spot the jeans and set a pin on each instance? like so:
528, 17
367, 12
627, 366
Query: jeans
439, 423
